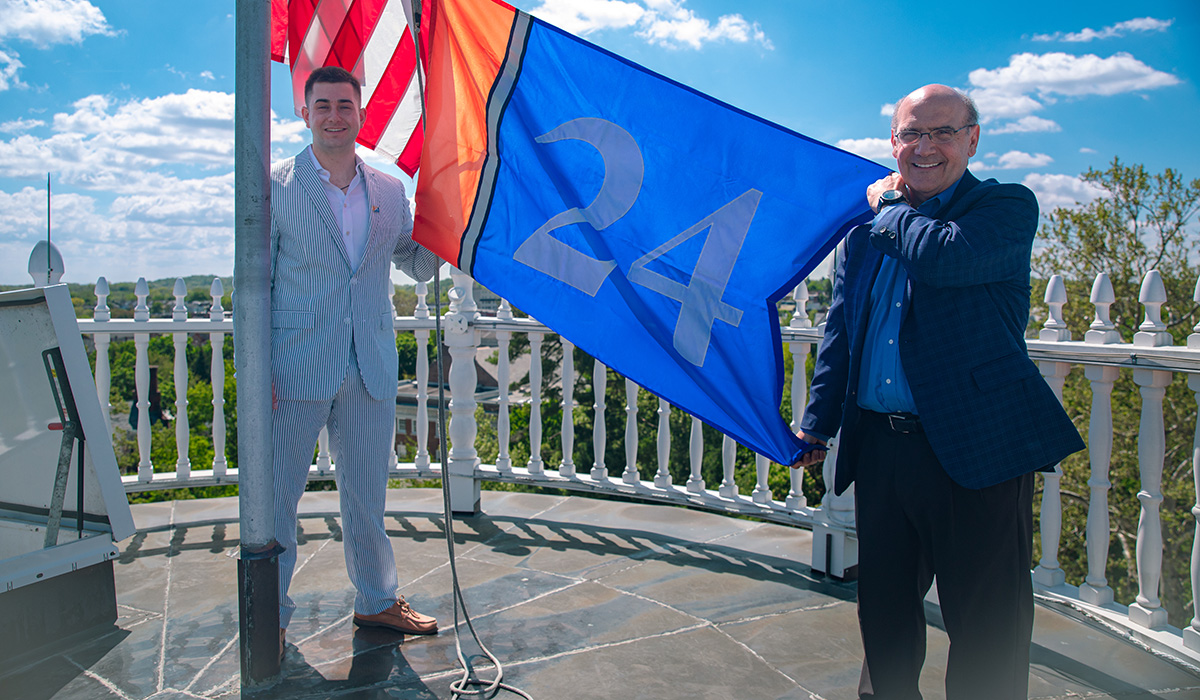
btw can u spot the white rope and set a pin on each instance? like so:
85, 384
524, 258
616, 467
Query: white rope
462, 686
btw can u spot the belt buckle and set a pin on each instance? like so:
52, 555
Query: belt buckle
904, 425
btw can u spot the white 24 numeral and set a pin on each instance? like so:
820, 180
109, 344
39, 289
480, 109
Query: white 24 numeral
700, 298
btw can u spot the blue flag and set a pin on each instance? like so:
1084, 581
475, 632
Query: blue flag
651, 225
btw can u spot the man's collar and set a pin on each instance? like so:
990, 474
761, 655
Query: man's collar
358, 163
939, 200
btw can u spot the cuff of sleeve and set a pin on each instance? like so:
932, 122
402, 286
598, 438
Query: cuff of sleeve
817, 435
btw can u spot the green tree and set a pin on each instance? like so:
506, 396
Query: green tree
1142, 222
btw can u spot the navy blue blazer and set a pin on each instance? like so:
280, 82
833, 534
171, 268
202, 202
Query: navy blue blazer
988, 413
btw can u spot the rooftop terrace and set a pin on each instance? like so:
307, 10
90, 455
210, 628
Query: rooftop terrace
578, 597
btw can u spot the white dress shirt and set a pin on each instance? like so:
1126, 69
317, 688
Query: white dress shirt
349, 209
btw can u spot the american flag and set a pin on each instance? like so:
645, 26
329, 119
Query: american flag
371, 39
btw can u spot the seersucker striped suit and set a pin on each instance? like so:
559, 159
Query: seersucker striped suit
334, 362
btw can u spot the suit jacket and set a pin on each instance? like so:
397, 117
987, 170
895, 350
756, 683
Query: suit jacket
986, 410
319, 302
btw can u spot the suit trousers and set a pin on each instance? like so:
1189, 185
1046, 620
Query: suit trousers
915, 524
361, 431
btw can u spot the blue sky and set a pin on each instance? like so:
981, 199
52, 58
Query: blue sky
128, 104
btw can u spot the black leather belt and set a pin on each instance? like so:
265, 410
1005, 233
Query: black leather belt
903, 423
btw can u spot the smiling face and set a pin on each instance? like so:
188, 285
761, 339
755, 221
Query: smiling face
332, 113
930, 168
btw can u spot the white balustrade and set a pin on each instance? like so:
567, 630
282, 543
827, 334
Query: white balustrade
1150, 356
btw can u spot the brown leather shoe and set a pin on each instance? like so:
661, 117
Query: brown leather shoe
401, 618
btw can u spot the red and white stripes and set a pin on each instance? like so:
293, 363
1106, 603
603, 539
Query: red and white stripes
371, 39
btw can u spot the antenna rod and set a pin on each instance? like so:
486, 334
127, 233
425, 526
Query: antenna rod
48, 264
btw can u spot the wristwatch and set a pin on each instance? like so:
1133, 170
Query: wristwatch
889, 198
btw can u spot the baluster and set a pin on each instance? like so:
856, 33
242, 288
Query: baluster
396, 445
216, 341
421, 459
662, 479
695, 482
465, 286
461, 339
630, 475
1048, 572
1191, 633
503, 425
729, 487
1095, 589
762, 489
141, 375
795, 498
1147, 609
183, 463
567, 466
102, 340
599, 428
324, 464
536, 466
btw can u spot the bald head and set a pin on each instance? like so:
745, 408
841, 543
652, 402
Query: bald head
938, 91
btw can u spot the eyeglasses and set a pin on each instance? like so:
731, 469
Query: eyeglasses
940, 135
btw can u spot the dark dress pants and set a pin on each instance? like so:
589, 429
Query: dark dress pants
915, 523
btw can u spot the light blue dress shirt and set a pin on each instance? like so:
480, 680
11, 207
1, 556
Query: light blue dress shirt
882, 386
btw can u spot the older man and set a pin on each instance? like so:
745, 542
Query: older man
943, 417
336, 223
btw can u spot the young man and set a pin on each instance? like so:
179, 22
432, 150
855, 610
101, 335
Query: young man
335, 224
943, 416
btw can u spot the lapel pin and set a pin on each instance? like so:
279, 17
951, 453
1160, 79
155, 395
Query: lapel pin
375, 209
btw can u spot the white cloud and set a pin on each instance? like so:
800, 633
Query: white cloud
1005, 93
1054, 191
19, 126
587, 16
131, 203
1064, 74
47, 22
95, 242
1144, 24
999, 104
9, 65
125, 148
1026, 125
1020, 159
1085, 149
207, 75
44, 23
872, 149
661, 22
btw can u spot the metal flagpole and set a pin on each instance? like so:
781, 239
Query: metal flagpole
258, 565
